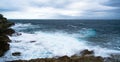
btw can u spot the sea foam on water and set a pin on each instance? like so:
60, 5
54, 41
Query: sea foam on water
51, 44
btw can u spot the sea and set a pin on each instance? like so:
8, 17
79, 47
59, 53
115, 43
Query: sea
48, 38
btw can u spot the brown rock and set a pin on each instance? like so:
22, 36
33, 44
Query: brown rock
9, 31
86, 52
64, 59
4, 38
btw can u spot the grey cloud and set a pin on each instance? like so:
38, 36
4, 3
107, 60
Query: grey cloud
8, 9
22, 6
115, 3
53, 3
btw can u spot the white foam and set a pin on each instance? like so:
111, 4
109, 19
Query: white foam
57, 44
49, 45
20, 26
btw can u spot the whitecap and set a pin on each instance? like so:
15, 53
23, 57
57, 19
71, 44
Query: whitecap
48, 45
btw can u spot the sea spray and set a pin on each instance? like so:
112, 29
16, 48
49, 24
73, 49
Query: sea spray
52, 44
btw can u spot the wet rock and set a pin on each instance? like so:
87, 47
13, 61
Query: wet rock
4, 47
18, 34
5, 30
17, 41
4, 38
32, 41
16, 54
113, 58
64, 59
86, 52
4, 25
9, 31
1, 16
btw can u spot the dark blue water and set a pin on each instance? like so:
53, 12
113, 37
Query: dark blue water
107, 32
56, 38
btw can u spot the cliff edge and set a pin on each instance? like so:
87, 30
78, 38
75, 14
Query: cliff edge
5, 31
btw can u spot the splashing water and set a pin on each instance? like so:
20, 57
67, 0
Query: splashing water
47, 45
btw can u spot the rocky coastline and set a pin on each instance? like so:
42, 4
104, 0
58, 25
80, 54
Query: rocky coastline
5, 31
83, 56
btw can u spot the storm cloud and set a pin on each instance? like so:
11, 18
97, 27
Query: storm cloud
60, 9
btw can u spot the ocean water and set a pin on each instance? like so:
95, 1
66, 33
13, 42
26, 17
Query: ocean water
54, 38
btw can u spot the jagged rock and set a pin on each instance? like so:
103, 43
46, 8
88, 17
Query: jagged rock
85, 57
113, 58
86, 52
64, 59
73, 58
17, 34
4, 38
4, 31
9, 31
5, 25
16, 54
1, 16
4, 47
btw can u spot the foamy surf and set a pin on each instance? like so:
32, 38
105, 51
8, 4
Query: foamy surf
51, 44
19, 26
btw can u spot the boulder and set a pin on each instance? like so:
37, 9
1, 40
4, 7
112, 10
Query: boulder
86, 52
16, 54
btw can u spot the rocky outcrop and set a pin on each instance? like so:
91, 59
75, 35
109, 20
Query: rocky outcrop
86, 56
16, 54
5, 30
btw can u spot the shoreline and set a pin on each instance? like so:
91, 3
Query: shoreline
84, 56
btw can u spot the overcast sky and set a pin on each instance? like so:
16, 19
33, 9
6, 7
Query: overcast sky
60, 9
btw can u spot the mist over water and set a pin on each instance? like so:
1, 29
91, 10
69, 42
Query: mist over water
47, 38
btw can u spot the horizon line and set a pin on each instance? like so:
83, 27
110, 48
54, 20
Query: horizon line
63, 19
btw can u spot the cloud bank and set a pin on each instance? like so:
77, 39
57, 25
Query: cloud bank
60, 9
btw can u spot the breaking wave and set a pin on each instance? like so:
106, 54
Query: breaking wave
19, 26
46, 44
